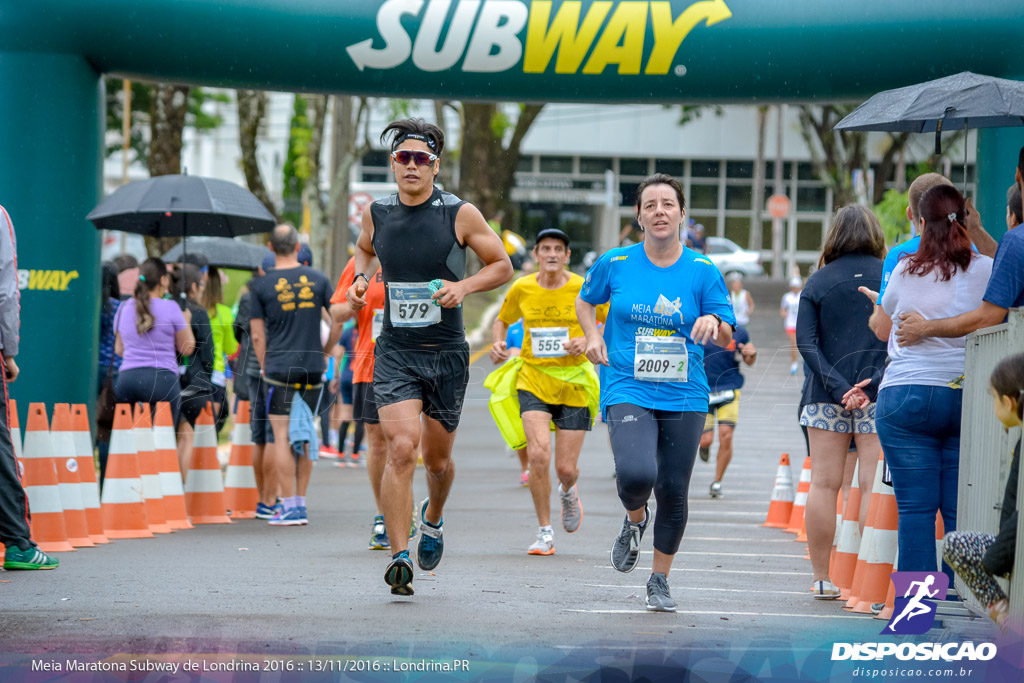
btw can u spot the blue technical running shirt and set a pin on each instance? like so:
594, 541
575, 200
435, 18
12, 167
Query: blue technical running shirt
648, 301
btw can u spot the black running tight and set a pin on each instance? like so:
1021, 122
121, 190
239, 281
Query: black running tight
655, 450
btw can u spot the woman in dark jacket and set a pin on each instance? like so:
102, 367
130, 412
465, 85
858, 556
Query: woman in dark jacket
845, 362
196, 369
978, 558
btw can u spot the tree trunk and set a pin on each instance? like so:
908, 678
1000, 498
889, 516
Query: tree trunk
168, 107
351, 143
319, 233
252, 108
757, 200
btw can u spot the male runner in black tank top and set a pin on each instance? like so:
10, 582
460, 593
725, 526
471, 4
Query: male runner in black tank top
421, 356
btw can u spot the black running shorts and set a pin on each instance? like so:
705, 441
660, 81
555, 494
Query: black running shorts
436, 375
569, 418
364, 403
279, 398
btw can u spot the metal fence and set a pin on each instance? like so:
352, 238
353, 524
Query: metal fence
986, 449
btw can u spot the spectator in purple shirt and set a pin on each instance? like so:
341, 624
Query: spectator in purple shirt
149, 330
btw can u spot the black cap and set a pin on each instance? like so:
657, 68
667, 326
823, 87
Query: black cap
551, 232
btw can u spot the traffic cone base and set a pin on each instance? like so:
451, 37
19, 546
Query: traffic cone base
780, 508
124, 507
240, 494
204, 486
167, 463
88, 485
39, 478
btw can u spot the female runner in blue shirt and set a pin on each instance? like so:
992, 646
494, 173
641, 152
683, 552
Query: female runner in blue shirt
666, 302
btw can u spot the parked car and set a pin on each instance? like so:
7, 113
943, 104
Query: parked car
731, 258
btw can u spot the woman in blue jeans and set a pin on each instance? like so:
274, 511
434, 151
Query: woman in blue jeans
920, 397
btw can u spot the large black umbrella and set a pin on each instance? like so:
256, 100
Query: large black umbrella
182, 206
223, 252
964, 100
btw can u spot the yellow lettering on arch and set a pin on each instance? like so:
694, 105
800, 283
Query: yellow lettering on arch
669, 35
564, 33
622, 41
66, 278
37, 279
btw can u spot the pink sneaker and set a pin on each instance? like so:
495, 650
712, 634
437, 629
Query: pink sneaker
524, 480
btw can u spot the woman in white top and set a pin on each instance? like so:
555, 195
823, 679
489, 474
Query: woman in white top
788, 311
742, 303
920, 397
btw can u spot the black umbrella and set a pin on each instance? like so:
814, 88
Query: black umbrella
182, 206
964, 100
223, 252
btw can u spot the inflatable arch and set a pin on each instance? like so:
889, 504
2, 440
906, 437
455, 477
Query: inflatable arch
53, 53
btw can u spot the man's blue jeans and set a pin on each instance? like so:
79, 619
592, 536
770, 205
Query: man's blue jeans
919, 428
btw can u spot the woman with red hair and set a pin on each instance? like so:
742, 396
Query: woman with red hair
920, 397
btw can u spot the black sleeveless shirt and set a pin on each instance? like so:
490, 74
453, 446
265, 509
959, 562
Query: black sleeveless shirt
417, 244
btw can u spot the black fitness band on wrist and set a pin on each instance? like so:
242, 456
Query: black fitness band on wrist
360, 275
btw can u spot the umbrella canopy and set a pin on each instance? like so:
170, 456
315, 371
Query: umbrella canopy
964, 100
222, 252
182, 205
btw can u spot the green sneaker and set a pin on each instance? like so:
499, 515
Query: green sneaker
33, 558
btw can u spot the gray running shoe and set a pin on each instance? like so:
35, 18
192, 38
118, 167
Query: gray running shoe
716, 489
572, 511
658, 597
626, 549
544, 545
705, 453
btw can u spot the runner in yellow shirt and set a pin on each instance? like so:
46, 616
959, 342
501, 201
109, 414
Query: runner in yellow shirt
556, 382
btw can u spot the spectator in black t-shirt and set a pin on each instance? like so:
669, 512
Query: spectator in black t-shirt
286, 308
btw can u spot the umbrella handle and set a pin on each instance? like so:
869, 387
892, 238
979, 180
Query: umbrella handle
938, 138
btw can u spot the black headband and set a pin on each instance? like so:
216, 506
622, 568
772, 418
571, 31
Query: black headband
415, 136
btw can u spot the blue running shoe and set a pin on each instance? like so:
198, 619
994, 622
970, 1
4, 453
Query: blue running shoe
431, 545
267, 511
379, 536
293, 517
303, 515
398, 575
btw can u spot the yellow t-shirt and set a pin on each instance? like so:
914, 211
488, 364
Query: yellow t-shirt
549, 318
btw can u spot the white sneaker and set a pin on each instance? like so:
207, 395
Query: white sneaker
544, 545
794, 368
572, 512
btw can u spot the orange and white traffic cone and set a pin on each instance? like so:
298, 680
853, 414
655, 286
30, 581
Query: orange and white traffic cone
878, 549
66, 464
240, 493
204, 487
39, 477
845, 561
796, 519
89, 487
780, 509
166, 450
124, 507
151, 490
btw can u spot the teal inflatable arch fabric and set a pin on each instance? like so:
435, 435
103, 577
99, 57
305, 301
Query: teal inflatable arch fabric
53, 52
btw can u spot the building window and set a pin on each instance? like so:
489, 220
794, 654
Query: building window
738, 197
525, 163
805, 171
703, 196
811, 198
628, 191
700, 168
595, 165
739, 169
674, 167
635, 167
556, 164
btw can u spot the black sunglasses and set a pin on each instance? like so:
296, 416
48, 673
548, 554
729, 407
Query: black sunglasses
404, 156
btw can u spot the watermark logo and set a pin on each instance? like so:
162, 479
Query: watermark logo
914, 612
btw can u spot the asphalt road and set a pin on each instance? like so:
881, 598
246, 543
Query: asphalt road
315, 590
